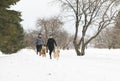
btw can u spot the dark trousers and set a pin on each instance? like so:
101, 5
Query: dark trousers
38, 47
50, 52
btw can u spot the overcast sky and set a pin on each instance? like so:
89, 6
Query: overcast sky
31, 10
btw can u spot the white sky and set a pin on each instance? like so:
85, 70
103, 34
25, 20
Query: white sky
31, 10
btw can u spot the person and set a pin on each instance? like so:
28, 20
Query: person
51, 45
39, 43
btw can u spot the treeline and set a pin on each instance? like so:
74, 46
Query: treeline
54, 26
13, 37
109, 37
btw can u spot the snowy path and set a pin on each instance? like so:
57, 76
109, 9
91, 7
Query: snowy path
96, 65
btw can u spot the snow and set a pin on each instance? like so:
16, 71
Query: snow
96, 65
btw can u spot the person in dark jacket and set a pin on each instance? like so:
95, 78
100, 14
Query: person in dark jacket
51, 43
39, 43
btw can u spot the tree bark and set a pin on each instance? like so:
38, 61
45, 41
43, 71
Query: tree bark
76, 48
83, 50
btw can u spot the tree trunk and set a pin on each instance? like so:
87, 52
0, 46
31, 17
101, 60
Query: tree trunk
83, 50
77, 49
83, 46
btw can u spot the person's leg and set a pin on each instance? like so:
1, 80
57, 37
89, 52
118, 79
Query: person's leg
50, 52
37, 47
40, 47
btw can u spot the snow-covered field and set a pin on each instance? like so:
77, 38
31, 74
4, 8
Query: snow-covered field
96, 65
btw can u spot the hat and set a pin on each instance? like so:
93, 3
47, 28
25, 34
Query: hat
39, 34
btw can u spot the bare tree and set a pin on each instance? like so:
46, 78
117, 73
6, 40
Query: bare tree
104, 39
53, 26
116, 32
30, 38
110, 37
49, 26
63, 39
89, 15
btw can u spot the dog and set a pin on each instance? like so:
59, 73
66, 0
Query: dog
43, 51
56, 54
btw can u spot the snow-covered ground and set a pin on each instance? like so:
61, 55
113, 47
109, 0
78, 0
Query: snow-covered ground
96, 65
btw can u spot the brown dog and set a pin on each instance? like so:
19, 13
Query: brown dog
43, 51
56, 54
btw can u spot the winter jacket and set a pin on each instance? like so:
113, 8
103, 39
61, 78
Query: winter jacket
50, 43
39, 41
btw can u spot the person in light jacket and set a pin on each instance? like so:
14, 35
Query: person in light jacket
39, 43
